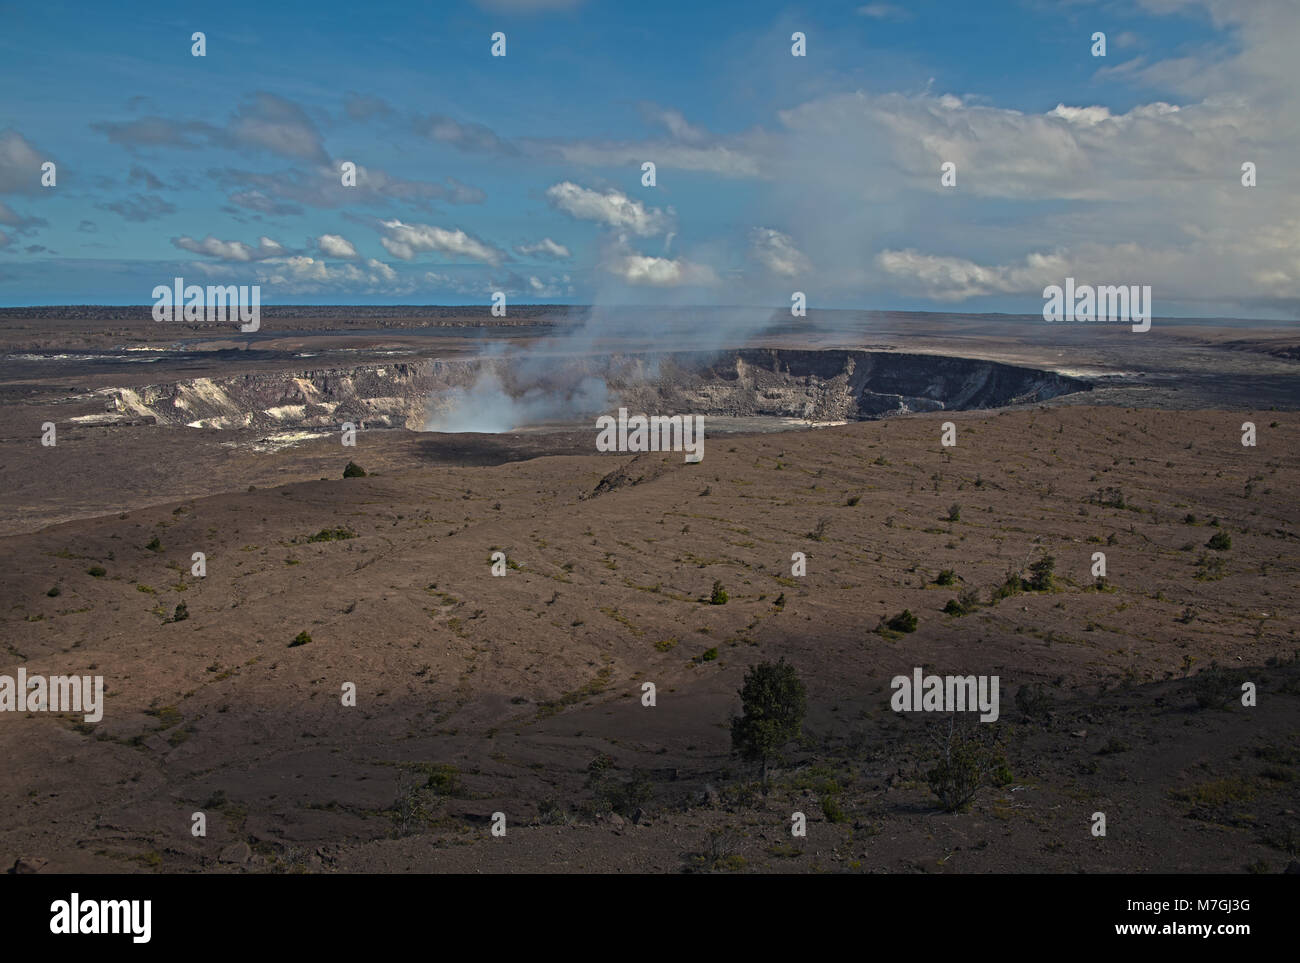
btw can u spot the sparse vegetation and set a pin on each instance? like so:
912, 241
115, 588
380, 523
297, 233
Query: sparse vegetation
966, 759
1034, 701
332, 535
1040, 575
964, 604
1214, 687
719, 595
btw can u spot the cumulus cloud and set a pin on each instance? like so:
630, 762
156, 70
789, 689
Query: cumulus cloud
777, 253
612, 208
955, 278
406, 240
659, 272
230, 250
546, 249
381, 269
301, 273
335, 245
20, 164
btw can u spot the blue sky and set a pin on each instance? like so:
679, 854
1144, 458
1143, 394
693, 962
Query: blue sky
775, 173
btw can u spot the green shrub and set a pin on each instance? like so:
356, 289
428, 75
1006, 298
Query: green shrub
904, 621
946, 577
302, 638
1220, 542
182, 613
965, 761
832, 810
54, 592
97, 571
719, 596
354, 471
154, 545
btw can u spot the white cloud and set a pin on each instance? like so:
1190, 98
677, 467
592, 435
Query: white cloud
728, 160
777, 253
335, 245
303, 273
545, 248
612, 208
883, 11
381, 269
230, 250
955, 278
20, 164
661, 272
406, 240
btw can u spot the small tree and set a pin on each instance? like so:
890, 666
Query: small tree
354, 471
1040, 574
719, 595
774, 701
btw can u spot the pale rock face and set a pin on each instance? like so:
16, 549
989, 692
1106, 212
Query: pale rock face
812, 386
